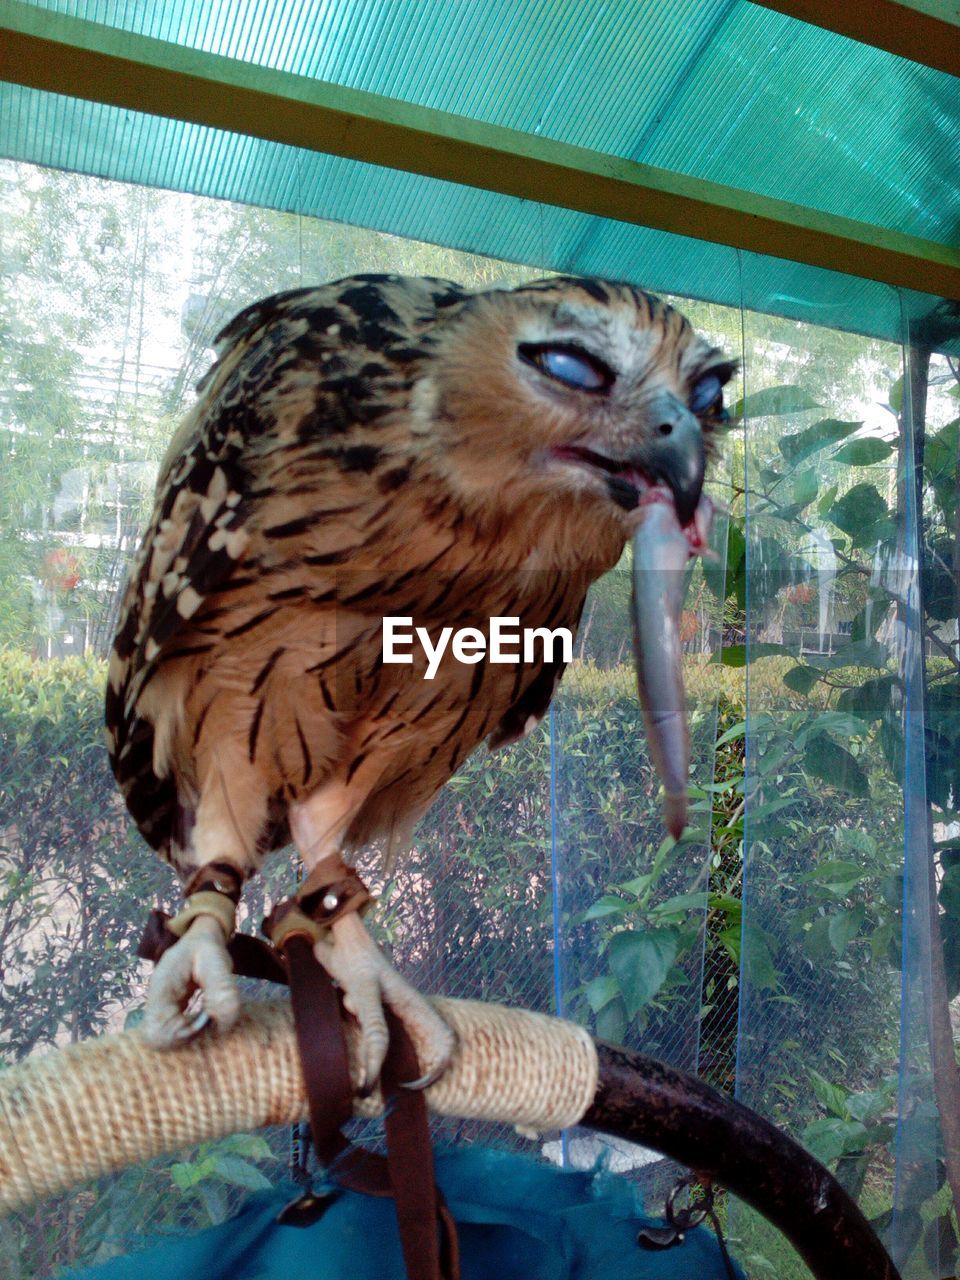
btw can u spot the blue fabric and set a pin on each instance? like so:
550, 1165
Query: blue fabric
517, 1220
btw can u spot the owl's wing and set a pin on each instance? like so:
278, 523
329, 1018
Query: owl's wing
207, 497
196, 539
529, 709
531, 706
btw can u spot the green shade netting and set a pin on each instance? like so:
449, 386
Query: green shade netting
516, 1220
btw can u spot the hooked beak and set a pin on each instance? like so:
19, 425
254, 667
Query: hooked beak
661, 549
674, 454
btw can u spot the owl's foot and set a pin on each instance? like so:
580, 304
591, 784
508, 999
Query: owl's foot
197, 963
368, 982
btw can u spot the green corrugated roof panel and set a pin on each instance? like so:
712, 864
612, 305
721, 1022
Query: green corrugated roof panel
719, 89
129, 146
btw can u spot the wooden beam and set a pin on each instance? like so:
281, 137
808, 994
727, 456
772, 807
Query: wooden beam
926, 31
62, 54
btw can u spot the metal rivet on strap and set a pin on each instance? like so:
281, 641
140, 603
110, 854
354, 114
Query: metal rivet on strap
330, 902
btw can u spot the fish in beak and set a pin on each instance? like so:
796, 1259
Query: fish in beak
675, 520
661, 480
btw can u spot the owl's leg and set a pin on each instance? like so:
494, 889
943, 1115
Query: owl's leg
355, 962
229, 819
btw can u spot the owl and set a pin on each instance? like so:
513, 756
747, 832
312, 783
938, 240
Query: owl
372, 450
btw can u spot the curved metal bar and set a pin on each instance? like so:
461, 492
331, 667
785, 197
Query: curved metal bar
641, 1099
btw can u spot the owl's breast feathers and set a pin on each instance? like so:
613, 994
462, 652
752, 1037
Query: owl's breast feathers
296, 507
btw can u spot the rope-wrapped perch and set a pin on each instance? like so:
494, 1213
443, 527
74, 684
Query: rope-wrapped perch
104, 1105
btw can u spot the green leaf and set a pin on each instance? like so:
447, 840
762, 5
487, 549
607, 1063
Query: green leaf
214, 1200
869, 700
940, 464
770, 755
249, 1145
833, 764
816, 942
896, 395
608, 905
831, 1137
612, 1022
838, 722
801, 679
771, 402
801, 444
862, 514
851, 1172
725, 579
805, 488
856, 840
730, 940
827, 499
182, 1176
736, 655
680, 903
638, 885
863, 453
831, 1096
758, 966
733, 734
600, 991
772, 806
640, 962
836, 875
871, 1104
241, 1173
844, 927
726, 903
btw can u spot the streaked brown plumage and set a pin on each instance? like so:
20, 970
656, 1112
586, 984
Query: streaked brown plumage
382, 446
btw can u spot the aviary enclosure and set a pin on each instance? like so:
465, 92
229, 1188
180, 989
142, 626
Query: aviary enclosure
794, 189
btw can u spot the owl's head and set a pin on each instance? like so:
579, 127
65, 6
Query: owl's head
576, 414
576, 396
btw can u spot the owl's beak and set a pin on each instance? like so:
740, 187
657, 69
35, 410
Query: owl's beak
673, 453
661, 549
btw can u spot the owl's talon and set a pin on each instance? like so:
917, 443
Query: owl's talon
194, 1028
369, 981
425, 1081
198, 962
431, 1077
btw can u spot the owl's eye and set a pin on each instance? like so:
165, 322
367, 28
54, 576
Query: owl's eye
568, 364
706, 393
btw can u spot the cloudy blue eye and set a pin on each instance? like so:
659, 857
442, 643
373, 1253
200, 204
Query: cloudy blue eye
568, 364
705, 393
